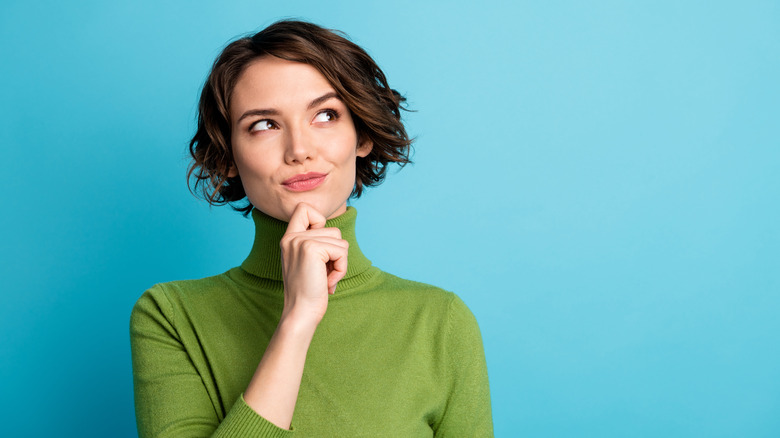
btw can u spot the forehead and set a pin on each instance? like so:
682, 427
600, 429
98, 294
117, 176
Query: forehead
277, 83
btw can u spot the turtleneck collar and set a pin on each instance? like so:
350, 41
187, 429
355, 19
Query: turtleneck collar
265, 258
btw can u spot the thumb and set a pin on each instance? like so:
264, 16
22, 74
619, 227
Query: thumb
304, 217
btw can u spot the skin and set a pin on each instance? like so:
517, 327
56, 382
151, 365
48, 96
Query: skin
269, 148
288, 120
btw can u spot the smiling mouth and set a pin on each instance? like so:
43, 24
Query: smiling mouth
304, 181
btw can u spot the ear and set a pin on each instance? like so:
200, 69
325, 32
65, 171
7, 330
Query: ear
365, 148
232, 171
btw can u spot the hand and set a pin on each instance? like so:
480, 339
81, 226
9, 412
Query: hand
314, 259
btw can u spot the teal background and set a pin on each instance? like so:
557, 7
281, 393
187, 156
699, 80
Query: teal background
597, 180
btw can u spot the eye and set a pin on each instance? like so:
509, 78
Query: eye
325, 116
262, 125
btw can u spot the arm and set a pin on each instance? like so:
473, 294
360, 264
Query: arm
468, 411
314, 259
172, 398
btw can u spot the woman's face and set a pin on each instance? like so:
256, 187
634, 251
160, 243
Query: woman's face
293, 139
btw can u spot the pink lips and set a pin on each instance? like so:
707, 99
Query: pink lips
304, 181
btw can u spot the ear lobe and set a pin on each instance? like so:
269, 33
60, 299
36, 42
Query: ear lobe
232, 171
365, 148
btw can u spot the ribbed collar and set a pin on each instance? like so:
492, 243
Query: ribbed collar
265, 258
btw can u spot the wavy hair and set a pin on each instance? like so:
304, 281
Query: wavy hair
359, 82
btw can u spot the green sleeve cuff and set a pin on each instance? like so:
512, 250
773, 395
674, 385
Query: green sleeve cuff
243, 421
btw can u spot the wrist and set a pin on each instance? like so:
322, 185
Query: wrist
297, 325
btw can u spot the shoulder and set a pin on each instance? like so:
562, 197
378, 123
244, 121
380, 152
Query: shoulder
401, 288
446, 302
168, 298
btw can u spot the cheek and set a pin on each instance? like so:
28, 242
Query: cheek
345, 147
253, 168
249, 159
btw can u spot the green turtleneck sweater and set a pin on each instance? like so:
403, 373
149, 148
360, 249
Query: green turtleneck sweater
390, 358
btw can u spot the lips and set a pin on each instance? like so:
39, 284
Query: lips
304, 181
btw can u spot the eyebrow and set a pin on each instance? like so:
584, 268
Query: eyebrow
324, 98
272, 112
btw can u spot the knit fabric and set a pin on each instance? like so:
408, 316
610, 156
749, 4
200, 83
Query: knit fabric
390, 358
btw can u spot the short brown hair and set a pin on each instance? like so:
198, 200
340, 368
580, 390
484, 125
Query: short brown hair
361, 84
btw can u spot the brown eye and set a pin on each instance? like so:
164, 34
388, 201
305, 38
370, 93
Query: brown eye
326, 116
262, 125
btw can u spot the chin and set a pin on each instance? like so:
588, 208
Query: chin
286, 211
329, 211
283, 208
327, 206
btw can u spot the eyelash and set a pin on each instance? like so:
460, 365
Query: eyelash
335, 115
252, 125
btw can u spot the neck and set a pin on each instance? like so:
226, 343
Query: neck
265, 258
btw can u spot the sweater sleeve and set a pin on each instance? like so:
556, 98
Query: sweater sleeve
467, 411
171, 399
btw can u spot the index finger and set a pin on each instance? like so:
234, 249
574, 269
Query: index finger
304, 217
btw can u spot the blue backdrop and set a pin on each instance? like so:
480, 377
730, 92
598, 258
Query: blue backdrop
597, 180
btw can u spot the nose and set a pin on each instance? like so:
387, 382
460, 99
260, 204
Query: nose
298, 146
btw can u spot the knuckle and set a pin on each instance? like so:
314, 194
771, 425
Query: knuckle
286, 241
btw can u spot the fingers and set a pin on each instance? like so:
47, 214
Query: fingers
307, 241
305, 217
337, 270
307, 237
320, 232
326, 247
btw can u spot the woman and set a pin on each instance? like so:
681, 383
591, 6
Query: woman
306, 337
